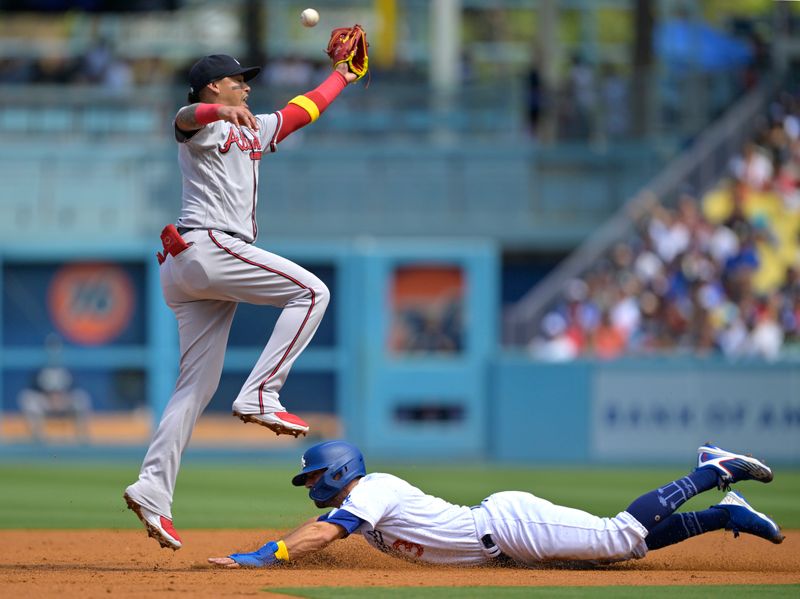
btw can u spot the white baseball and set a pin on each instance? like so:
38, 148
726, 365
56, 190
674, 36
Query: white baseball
309, 17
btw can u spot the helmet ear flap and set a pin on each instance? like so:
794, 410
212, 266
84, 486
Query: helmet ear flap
342, 462
324, 489
340, 472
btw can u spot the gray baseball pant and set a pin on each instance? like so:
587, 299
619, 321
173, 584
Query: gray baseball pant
203, 285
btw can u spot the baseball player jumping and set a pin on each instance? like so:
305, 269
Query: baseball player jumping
399, 519
210, 264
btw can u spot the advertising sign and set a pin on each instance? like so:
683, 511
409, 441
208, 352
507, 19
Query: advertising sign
657, 414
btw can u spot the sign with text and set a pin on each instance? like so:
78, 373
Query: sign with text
658, 414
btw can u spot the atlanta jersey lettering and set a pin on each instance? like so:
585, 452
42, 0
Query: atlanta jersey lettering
219, 164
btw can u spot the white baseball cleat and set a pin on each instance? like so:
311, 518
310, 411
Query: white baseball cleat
158, 527
281, 423
732, 467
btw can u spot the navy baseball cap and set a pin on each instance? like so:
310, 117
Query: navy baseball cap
217, 66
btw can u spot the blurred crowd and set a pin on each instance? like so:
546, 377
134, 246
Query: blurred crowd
717, 276
100, 65
105, 68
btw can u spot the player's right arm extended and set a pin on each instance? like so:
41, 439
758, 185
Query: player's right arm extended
312, 537
196, 116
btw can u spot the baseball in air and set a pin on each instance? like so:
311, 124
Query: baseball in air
309, 17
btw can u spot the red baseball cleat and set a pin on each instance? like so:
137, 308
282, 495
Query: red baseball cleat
158, 527
281, 423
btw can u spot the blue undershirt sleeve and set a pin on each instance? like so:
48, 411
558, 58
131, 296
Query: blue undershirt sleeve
343, 518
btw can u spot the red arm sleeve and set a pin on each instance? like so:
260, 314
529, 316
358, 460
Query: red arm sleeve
294, 117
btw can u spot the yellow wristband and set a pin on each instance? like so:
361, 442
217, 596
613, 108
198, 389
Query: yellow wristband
282, 553
308, 105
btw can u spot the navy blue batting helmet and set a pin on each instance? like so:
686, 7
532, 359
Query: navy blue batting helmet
342, 463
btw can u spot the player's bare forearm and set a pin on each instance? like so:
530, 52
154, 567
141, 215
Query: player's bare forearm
307, 538
188, 118
311, 537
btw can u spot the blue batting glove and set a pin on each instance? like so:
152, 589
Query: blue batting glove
265, 556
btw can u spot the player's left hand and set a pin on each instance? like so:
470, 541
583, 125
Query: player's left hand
264, 556
348, 76
225, 562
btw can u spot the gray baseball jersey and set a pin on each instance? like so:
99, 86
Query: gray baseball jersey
219, 164
204, 284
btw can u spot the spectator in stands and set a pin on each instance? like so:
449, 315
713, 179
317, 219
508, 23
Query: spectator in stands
670, 236
53, 394
53, 69
790, 309
101, 66
684, 281
118, 77
766, 338
625, 312
614, 95
534, 93
555, 344
579, 100
753, 167
607, 341
96, 62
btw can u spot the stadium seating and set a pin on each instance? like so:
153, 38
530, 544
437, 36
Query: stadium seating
712, 275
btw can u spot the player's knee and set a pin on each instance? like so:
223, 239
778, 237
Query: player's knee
322, 295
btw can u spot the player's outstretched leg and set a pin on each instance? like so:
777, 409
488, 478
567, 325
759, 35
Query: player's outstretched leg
715, 468
656, 506
732, 513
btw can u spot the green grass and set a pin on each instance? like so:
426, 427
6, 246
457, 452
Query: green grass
82, 495
686, 592
89, 495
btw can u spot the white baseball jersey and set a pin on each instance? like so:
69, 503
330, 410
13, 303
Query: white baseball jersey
219, 164
402, 520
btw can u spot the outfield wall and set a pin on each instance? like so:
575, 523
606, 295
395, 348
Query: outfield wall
643, 410
407, 358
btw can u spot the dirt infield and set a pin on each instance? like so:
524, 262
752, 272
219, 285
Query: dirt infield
117, 563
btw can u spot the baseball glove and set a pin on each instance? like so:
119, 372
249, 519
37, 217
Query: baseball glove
349, 44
